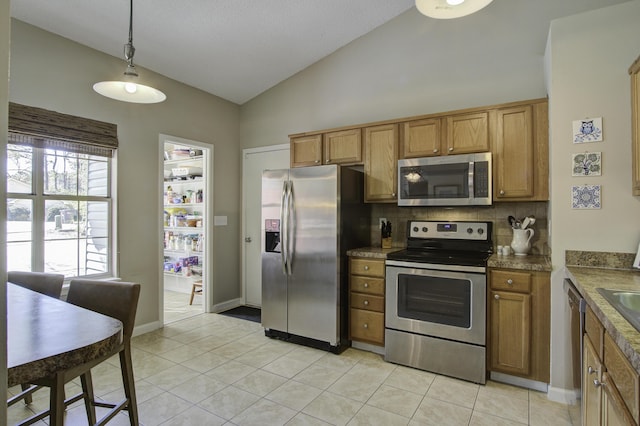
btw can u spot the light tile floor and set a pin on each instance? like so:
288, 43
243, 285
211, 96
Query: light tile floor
176, 306
216, 370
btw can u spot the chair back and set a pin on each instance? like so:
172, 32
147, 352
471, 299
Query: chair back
116, 299
41, 282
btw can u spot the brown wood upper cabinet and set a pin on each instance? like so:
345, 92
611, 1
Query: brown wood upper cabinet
337, 147
467, 133
521, 153
634, 71
455, 134
421, 138
306, 151
381, 163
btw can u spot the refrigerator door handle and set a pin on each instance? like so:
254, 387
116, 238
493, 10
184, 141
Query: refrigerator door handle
283, 226
290, 223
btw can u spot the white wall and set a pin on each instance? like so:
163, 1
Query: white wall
51, 72
589, 56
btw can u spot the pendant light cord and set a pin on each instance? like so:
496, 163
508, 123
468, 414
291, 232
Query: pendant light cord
131, 23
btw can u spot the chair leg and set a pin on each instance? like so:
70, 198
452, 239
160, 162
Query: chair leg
28, 399
89, 397
126, 365
193, 292
56, 401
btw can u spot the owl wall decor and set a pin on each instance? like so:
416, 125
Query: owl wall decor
587, 130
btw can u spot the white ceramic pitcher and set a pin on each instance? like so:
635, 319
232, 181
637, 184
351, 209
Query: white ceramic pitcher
521, 243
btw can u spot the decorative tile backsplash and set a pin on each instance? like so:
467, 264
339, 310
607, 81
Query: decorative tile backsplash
497, 213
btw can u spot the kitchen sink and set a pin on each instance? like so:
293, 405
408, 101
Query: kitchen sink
626, 302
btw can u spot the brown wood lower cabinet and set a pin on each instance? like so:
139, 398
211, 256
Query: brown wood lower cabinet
366, 300
519, 331
610, 390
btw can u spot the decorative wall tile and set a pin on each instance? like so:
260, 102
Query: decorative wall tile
587, 130
587, 164
586, 197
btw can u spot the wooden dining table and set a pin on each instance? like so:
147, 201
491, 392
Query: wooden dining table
46, 335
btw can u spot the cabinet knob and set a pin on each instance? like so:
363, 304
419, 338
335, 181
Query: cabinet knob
451, 149
366, 325
435, 151
366, 303
317, 161
591, 370
597, 383
497, 297
502, 192
366, 285
393, 194
366, 268
509, 281
328, 161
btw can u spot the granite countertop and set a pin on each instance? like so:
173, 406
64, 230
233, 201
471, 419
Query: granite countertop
586, 280
373, 252
530, 262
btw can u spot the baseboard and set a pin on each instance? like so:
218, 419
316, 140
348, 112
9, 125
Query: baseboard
519, 381
368, 347
565, 396
225, 306
146, 328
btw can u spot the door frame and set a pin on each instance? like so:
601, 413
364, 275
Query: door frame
208, 157
245, 152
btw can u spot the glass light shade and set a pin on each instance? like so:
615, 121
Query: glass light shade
442, 9
128, 91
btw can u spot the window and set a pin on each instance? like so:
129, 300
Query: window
59, 205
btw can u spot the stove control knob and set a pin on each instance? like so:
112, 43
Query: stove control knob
415, 229
469, 231
425, 229
480, 231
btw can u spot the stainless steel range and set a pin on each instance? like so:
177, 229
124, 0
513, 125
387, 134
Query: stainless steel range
435, 317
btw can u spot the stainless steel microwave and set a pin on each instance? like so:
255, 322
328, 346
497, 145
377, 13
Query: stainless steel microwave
450, 180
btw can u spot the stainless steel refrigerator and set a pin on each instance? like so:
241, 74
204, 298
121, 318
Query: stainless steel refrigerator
310, 217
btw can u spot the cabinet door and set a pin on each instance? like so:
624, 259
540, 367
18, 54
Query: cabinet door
510, 332
591, 389
467, 133
635, 123
514, 162
343, 147
614, 412
421, 138
381, 163
306, 151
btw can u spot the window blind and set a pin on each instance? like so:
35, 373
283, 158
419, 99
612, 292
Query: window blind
42, 128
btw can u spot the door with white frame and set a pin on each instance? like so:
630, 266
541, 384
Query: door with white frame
187, 226
254, 162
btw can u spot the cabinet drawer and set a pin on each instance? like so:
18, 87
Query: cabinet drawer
368, 267
594, 331
623, 375
367, 326
511, 281
367, 285
367, 302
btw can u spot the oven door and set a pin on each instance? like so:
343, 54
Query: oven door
445, 304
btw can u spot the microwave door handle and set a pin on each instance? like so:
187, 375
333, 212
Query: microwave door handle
283, 227
471, 179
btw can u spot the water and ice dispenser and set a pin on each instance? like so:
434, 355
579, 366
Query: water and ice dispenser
272, 235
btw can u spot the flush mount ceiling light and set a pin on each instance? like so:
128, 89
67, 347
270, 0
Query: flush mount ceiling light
128, 90
449, 9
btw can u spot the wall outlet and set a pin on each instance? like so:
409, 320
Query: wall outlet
382, 221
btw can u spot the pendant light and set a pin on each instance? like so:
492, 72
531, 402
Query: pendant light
127, 90
449, 9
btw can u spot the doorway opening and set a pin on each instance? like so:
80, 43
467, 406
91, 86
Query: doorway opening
187, 185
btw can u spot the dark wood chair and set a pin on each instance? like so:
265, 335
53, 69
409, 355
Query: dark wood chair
115, 299
44, 283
